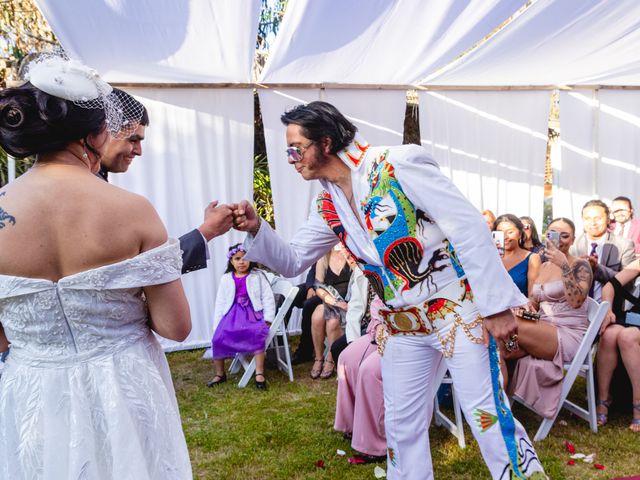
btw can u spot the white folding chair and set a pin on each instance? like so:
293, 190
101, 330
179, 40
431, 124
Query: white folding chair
582, 365
456, 428
277, 330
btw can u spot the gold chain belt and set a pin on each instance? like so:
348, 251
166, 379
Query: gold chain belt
435, 314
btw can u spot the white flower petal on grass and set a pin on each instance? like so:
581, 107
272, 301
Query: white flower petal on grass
589, 458
578, 456
379, 472
341, 453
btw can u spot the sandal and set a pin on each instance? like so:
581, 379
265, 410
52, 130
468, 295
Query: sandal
315, 372
602, 418
217, 380
327, 373
263, 384
634, 426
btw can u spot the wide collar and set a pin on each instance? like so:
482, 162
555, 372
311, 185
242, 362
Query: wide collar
353, 154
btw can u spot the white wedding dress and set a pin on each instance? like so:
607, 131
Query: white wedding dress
86, 392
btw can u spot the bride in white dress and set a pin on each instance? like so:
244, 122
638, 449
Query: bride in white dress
86, 274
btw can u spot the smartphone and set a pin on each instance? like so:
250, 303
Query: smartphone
554, 237
498, 239
527, 315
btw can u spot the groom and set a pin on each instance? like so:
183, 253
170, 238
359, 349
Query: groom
218, 219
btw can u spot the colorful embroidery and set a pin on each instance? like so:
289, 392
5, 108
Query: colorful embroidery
505, 418
392, 456
467, 294
484, 419
355, 155
454, 259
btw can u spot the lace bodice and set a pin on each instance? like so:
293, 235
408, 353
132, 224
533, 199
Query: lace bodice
84, 313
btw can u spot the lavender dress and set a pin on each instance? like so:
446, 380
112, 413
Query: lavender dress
241, 329
537, 381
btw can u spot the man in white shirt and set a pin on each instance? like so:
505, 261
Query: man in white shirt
624, 225
607, 253
428, 254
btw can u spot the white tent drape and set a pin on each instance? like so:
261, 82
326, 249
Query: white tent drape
491, 144
556, 43
380, 41
198, 148
600, 139
619, 144
159, 40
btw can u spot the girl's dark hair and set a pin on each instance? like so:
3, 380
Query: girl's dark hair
509, 217
565, 220
32, 122
535, 238
230, 268
321, 119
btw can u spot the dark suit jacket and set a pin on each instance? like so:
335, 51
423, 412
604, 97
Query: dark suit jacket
192, 244
617, 253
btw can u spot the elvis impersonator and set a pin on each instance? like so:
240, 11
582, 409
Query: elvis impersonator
428, 254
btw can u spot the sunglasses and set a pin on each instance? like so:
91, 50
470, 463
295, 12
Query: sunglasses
527, 226
295, 154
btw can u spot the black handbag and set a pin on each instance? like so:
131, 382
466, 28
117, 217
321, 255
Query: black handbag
629, 318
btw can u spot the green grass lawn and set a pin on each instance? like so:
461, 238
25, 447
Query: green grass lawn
247, 434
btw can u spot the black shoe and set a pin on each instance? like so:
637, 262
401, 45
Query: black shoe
220, 379
299, 358
261, 385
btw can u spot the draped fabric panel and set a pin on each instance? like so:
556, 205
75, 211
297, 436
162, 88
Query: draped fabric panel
574, 172
159, 40
619, 144
491, 144
379, 41
198, 148
557, 42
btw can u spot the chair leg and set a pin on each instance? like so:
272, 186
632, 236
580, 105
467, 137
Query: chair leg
591, 400
459, 421
287, 356
248, 373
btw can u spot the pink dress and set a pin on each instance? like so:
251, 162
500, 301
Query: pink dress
360, 401
539, 382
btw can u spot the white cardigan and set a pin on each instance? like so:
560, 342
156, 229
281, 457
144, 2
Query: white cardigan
260, 294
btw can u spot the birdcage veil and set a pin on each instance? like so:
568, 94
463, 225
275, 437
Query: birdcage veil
69, 79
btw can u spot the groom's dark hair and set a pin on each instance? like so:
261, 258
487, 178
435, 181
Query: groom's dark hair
319, 120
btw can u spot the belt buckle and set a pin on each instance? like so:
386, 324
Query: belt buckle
410, 321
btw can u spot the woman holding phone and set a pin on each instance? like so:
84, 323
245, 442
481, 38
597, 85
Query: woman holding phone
558, 296
521, 264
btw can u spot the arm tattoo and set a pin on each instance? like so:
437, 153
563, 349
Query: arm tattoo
577, 281
5, 218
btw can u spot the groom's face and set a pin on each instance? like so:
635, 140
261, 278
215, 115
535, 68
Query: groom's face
121, 151
313, 162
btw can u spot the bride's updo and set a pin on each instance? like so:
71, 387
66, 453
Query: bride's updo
33, 122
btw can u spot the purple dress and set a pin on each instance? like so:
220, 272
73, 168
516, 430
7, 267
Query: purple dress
241, 329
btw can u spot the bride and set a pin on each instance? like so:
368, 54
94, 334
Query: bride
86, 274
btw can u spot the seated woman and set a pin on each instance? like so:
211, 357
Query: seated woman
559, 295
359, 401
521, 264
333, 274
618, 336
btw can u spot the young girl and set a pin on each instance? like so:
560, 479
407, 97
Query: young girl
244, 309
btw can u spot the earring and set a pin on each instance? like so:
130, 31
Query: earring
85, 156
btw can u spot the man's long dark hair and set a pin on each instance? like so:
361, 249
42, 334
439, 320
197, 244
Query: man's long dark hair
319, 120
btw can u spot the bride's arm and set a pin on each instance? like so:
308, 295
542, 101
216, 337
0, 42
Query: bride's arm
168, 307
169, 310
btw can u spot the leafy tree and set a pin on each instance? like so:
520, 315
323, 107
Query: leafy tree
24, 31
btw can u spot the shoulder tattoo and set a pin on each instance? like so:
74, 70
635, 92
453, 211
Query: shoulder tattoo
5, 218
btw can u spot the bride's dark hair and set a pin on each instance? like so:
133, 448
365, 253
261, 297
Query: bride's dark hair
32, 121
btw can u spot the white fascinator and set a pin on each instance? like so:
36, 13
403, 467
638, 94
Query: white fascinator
71, 80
